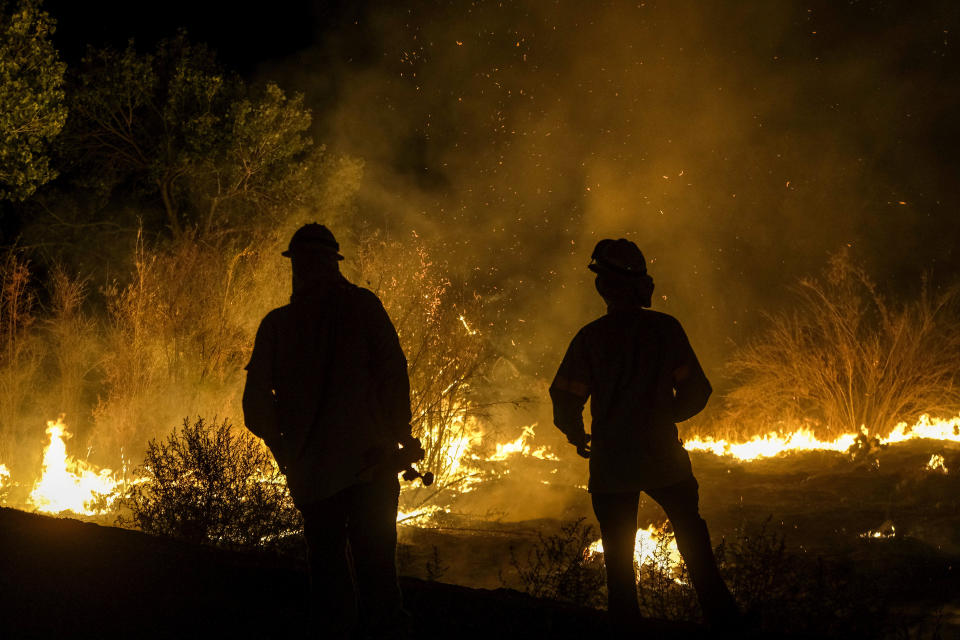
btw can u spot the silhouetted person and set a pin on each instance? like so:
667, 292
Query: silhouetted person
642, 376
327, 390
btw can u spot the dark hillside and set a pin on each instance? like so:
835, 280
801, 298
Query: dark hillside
64, 578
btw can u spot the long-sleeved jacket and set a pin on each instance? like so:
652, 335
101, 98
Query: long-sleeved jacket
326, 385
643, 377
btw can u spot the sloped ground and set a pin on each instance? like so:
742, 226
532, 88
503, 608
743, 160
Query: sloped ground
63, 578
827, 507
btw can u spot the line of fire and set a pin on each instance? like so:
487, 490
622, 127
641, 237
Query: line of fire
350, 208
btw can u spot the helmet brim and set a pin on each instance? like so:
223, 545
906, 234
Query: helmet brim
328, 253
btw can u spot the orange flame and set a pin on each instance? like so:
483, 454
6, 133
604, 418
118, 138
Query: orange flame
68, 484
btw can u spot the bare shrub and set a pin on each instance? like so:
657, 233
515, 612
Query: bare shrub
812, 596
559, 567
663, 588
438, 324
846, 357
212, 484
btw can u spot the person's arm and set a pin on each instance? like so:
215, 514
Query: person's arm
691, 387
390, 369
569, 392
259, 400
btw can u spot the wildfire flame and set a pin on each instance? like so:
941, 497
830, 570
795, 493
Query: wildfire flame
645, 549
775, 444
521, 446
937, 463
4, 477
68, 484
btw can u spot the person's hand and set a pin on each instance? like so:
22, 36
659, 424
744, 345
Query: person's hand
582, 443
414, 448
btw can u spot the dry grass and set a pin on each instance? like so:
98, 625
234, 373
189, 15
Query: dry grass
179, 334
73, 348
19, 348
847, 357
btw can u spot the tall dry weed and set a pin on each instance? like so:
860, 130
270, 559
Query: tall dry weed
73, 348
19, 348
846, 356
179, 334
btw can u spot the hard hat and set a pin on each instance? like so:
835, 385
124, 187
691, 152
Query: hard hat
313, 238
619, 256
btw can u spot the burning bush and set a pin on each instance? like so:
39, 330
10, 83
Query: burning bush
211, 484
846, 357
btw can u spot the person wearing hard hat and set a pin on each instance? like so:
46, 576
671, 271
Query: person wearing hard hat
326, 386
642, 377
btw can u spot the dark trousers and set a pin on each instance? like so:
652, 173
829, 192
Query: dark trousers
352, 542
617, 513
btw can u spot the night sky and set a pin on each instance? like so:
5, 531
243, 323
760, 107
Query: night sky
740, 144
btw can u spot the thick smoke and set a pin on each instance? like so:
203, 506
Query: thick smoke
739, 144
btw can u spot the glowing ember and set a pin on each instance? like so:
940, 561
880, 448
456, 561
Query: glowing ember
803, 439
645, 550
68, 484
937, 463
886, 530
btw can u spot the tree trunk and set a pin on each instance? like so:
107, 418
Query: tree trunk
173, 220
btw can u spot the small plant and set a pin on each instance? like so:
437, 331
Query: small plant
663, 588
210, 484
559, 567
435, 567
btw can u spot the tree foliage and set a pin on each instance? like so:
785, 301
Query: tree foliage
32, 109
177, 128
210, 484
846, 357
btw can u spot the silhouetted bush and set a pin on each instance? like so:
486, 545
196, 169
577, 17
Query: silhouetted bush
559, 567
663, 587
209, 483
779, 589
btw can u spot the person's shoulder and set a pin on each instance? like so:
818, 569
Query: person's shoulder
276, 315
362, 300
599, 327
666, 324
595, 325
361, 295
274, 319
